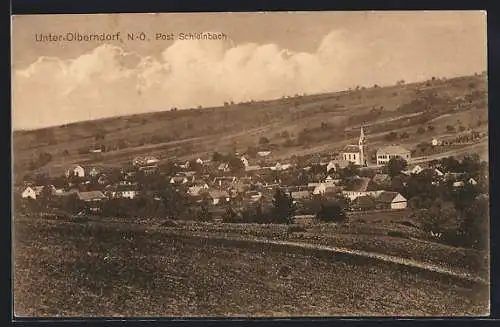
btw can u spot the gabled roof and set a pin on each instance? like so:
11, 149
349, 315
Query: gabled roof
392, 149
360, 184
300, 194
351, 149
364, 201
216, 194
91, 195
388, 197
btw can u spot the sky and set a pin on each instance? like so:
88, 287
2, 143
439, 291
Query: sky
265, 56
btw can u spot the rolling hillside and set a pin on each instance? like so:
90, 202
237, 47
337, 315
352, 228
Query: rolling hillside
300, 125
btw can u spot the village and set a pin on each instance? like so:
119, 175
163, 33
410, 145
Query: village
239, 181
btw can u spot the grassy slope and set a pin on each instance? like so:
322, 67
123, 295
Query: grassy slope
71, 269
189, 133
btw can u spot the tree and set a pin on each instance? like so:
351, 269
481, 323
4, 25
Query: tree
421, 130
264, 141
332, 212
283, 207
217, 157
475, 225
235, 164
391, 136
430, 128
72, 204
395, 166
252, 151
450, 128
439, 218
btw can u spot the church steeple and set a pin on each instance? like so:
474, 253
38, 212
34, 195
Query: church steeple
361, 145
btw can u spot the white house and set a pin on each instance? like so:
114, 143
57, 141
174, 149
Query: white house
331, 166
244, 161
199, 161
179, 180
391, 200
196, 190
75, 170
263, 153
218, 197
32, 192
361, 186
392, 151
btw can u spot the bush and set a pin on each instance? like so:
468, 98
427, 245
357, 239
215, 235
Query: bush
296, 229
396, 234
331, 212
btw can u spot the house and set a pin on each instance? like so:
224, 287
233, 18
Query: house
331, 166
435, 142
123, 191
472, 181
439, 173
330, 180
224, 182
149, 169
75, 170
218, 197
324, 188
387, 153
364, 202
416, 170
197, 190
91, 196
32, 192
224, 167
299, 195
103, 180
280, 166
254, 195
244, 161
391, 200
454, 176
360, 186
252, 168
263, 153
179, 180
94, 171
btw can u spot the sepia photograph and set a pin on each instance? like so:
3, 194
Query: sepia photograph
250, 164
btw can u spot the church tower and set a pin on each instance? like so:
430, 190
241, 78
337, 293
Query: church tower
361, 145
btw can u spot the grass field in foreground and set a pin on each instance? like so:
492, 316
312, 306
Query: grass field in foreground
68, 269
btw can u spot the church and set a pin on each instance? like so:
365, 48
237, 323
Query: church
355, 153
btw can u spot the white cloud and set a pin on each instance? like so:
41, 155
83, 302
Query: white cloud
109, 81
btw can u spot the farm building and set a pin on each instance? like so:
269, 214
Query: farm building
391, 200
360, 186
218, 197
364, 202
75, 170
32, 192
91, 196
386, 153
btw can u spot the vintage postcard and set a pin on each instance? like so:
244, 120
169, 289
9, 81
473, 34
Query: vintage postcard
250, 164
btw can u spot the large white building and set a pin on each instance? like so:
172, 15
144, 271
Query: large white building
355, 153
392, 151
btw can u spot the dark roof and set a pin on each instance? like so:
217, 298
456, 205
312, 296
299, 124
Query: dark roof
351, 149
360, 184
387, 197
364, 201
91, 195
